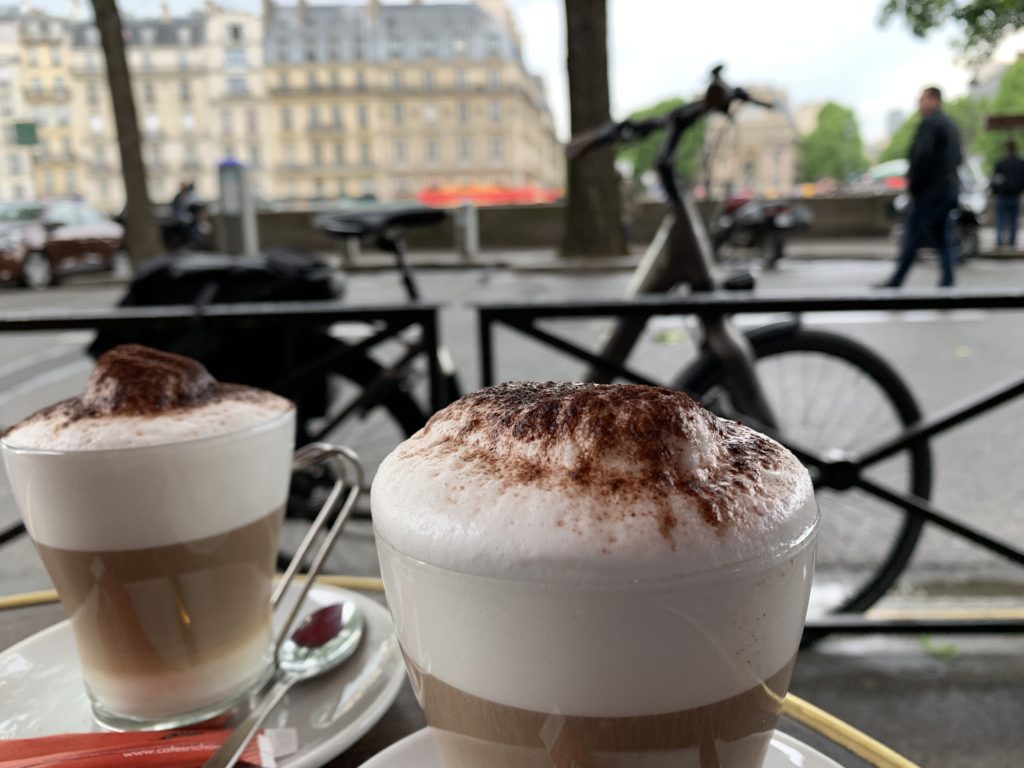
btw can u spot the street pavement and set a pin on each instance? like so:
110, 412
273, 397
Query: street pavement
946, 702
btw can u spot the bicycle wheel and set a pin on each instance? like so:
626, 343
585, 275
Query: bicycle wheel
830, 393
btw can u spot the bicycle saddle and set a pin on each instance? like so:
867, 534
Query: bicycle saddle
371, 222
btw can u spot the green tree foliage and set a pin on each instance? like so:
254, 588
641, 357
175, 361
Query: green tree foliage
833, 149
643, 153
1009, 100
983, 23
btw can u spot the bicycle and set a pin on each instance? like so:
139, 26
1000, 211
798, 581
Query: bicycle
737, 373
747, 375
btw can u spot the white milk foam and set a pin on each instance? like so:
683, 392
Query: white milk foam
556, 577
132, 494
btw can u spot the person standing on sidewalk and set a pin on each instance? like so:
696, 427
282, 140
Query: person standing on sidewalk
934, 186
1007, 186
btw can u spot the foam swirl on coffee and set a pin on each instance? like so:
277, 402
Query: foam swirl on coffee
138, 396
566, 479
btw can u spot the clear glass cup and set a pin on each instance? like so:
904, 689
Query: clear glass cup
163, 557
686, 671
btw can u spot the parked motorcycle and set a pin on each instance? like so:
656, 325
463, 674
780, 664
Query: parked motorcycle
746, 223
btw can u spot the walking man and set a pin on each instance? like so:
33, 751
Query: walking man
934, 187
1007, 186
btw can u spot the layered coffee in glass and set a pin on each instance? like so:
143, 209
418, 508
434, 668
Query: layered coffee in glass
155, 500
595, 575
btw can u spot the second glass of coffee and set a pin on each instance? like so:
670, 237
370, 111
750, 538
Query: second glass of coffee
598, 576
155, 501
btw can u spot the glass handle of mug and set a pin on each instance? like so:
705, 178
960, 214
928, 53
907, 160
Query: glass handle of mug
346, 462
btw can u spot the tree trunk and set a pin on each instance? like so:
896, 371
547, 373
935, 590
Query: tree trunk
142, 236
593, 216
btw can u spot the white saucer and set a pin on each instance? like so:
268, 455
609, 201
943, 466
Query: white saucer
42, 691
417, 751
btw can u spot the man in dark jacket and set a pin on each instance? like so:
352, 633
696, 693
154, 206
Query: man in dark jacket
934, 187
1007, 186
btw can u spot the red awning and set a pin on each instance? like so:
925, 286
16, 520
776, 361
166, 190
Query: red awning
486, 194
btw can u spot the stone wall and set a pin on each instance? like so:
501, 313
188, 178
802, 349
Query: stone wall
540, 227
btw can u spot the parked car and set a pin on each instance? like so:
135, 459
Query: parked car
40, 242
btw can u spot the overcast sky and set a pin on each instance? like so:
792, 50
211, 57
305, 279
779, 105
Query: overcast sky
816, 50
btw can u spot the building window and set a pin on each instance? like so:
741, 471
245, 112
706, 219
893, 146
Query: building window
96, 124
185, 91
184, 35
252, 124
69, 181
13, 164
225, 121
286, 119
188, 122
152, 123
318, 156
55, 56
147, 60
396, 81
335, 79
399, 114
433, 151
148, 92
311, 81
237, 86
254, 155
497, 149
282, 83
92, 94
30, 56
289, 154
399, 151
465, 149
90, 61
148, 35
234, 57
369, 189
365, 157
182, 61
235, 33
463, 112
191, 157
428, 80
37, 86
361, 80
318, 187
364, 116
495, 111
65, 145
336, 116
493, 78
339, 154
460, 79
48, 182
429, 113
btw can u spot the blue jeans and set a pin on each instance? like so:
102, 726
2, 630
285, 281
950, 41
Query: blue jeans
928, 222
1007, 216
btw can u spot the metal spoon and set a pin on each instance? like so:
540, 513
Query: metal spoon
323, 640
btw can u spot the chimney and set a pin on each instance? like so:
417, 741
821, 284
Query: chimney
165, 11
373, 10
301, 9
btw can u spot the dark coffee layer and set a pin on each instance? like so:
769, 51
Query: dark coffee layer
459, 714
167, 608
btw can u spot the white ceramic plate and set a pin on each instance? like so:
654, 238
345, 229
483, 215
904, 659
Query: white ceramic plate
41, 689
418, 751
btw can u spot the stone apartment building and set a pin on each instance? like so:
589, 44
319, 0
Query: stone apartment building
16, 123
319, 101
758, 150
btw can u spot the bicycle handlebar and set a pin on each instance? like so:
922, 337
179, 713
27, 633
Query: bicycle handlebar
719, 97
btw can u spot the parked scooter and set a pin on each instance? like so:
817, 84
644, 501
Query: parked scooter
745, 223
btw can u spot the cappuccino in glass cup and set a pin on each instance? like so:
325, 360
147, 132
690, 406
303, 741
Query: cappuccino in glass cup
155, 501
595, 576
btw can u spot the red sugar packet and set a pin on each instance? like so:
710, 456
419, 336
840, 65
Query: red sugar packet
161, 749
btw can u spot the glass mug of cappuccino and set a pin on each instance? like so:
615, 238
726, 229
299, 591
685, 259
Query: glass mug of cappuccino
595, 576
155, 500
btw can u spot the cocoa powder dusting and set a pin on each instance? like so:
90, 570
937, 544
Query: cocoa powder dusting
625, 445
133, 380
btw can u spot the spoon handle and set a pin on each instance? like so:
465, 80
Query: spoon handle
231, 750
